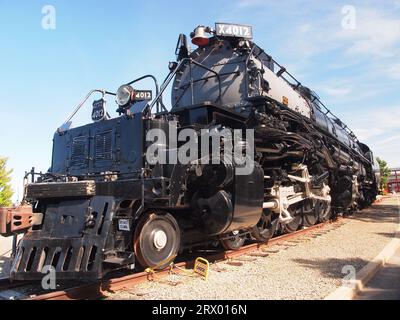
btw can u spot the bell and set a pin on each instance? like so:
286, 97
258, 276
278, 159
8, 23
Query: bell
199, 37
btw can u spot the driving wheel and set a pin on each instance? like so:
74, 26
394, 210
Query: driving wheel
311, 210
233, 243
293, 225
325, 211
266, 227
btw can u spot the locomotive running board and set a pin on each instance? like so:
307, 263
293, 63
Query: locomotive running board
60, 189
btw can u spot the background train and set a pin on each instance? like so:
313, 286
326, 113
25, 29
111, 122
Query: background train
103, 205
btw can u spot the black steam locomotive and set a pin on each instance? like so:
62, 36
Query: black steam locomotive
117, 194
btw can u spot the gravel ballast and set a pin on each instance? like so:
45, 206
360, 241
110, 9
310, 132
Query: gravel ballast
309, 269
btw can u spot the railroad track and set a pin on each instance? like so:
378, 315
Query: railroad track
98, 289
5, 283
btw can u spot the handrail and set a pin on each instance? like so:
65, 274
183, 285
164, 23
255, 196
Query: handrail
247, 80
167, 81
173, 73
102, 91
158, 100
214, 72
157, 89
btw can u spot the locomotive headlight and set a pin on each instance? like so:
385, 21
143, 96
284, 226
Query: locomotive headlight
124, 95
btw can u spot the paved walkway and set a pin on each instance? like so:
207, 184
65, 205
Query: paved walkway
386, 283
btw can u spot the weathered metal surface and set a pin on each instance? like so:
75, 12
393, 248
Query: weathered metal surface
72, 239
60, 189
15, 220
114, 145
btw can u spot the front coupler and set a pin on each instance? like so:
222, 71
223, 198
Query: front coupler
15, 220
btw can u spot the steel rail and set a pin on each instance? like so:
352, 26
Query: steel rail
6, 284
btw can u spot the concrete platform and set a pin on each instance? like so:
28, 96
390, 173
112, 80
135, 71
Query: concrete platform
386, 283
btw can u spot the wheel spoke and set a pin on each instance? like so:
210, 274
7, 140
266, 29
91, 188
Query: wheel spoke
310, 212
296, 213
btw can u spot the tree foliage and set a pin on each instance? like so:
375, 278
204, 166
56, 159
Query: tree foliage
6, 191
385, 173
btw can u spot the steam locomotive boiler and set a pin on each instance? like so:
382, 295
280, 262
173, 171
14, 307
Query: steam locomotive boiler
245, 152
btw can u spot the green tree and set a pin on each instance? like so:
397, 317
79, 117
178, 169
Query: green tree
385, 173
5, 184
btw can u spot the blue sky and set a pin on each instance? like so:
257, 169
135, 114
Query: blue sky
102, 44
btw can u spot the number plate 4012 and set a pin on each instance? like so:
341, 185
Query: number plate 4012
233, 30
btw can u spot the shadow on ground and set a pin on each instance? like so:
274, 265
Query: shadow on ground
381, 213
338, 268
390, 235
333, 267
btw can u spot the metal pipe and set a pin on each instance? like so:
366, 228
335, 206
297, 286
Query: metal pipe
14, 246
103, 92
269, 150
296, 154
246, 78
270, 205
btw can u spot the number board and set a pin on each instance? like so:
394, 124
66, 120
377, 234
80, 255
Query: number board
124, 225
99, 110
141, 95
234, 30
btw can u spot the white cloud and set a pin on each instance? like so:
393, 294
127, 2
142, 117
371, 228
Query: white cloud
380, 119
336, 91
393, 71
305, 27
390, 140
352, 90
380, 129
376, 34
366, 59
250, 3
364, 134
